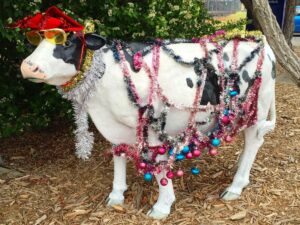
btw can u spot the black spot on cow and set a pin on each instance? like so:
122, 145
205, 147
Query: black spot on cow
70, 52
211, 92
273, 74
226, 57
245, 76
189, 82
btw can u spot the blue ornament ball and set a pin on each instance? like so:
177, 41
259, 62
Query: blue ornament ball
147, 176
180, 157
171, 152
215, 142
226, 112
185, 149
233, 93
195, 170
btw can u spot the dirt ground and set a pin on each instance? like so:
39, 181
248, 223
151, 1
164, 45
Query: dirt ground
54, 187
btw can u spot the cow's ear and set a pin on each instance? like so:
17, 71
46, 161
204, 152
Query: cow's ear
94, 41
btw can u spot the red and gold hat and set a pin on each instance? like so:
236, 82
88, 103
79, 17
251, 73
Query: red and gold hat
52, 18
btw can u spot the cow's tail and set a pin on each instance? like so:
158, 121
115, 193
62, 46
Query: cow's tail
266, 126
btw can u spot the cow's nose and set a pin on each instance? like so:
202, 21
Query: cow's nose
31, 71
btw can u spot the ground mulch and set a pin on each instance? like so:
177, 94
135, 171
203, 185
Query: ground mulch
54, 187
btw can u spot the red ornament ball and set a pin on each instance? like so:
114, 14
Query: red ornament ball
164, 181
196, 153
189, 155
161, 151
170, 175
179, 173
142, 165
225, 120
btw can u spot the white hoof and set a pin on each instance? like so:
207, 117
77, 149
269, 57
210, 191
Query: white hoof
229, 196
114, 200
156, 214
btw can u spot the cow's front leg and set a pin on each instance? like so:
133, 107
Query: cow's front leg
241, 179
166, 197
116, 197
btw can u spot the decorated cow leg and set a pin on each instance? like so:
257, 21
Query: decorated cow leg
116, 197
254, 135
162, 207
241, 178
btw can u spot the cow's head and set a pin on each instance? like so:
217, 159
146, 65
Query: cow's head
56, 64
61, 45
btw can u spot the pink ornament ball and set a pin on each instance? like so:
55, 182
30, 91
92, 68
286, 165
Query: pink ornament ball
213, 152
164, 181
225, 120
170, 175
228, 138
189, 155
161, 151
179, 173
142, 165
196, 153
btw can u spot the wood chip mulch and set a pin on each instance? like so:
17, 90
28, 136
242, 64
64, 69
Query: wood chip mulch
57, 188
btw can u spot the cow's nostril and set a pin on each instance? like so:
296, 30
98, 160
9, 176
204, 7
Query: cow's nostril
35, 69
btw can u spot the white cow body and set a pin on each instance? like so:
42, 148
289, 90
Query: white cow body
112, 103
116, 117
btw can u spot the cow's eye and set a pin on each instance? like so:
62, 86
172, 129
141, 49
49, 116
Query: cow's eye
67, 43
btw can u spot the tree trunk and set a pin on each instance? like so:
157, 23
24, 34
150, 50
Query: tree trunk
288, 25
262, 13
249, 6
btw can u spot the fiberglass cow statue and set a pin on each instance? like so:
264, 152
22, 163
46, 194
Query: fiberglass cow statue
157, 102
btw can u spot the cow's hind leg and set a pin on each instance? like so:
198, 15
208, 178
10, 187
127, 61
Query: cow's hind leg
116, 197
241, 178
162, 207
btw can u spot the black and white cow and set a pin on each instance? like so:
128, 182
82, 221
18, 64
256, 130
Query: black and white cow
116, 117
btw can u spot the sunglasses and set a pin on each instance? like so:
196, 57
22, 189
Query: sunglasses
54, 36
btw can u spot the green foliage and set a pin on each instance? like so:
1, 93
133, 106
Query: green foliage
24, 105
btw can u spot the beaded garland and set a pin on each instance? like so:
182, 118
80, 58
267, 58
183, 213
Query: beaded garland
233, 113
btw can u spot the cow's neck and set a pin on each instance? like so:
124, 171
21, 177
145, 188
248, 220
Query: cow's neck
80, 75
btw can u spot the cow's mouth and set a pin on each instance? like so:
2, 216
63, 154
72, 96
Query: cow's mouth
32, 72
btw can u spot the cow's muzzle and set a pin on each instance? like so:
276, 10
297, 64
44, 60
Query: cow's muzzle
31, 71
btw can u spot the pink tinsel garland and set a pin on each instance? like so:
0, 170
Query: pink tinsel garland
228, 126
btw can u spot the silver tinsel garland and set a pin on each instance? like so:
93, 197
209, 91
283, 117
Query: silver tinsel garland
79, 96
